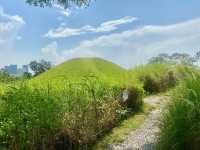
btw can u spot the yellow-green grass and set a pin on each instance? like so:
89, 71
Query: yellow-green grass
119, 133
2, 91
2, 88
150, 69
71, 103
75, 69
180, 123
158, 70
156, 78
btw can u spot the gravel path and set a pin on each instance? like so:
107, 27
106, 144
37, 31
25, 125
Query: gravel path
144, 138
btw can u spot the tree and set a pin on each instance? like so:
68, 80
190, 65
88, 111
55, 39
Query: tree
40, 67
27, 75
161, 58
177, 58
182, 58
63, 3
197, 56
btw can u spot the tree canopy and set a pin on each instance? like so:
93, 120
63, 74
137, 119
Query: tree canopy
40, 67
178, 58
63, 3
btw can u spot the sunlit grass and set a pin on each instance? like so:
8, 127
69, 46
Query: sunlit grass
180, 129
74, 69
82, 100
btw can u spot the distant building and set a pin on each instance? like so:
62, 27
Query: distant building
11, 69
14, 70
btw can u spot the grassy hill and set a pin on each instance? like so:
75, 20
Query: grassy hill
80, 112
75, 69
85, 110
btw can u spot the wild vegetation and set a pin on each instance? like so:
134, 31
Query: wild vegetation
74, 104
180, 128
62, 3
156, 78
36, 118
38, 114
6, 78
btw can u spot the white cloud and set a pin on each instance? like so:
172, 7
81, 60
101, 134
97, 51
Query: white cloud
14, 18
136, 46
50, 53
113, 24
63, 32
9, 26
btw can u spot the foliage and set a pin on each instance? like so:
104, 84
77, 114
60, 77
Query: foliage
121, 131
63, 3
161, 58
156, 77
180, 129
134, 97
40, 67
176, 58
74, 104
6, 78
28, 117
27, 75
47, 117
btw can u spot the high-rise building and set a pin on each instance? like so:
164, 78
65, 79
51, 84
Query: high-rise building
11, 69
14, 70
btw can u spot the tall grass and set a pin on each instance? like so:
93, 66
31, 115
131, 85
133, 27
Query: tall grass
52, 117
156, 78
6, 78
180, 129
73, 114
28, 117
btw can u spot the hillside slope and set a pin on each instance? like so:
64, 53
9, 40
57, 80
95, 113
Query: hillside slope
75, 69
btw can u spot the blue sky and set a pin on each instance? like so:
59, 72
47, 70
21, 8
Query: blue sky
125, 32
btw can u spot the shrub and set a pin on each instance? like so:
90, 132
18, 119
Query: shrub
156, 78
133, 97
150, 84
180, 129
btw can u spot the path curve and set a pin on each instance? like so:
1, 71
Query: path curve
144, 138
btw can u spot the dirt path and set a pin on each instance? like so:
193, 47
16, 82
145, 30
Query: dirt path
145, 137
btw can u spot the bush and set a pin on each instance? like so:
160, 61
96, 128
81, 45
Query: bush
132, 98
156, 78
159, 84
180, 129
151, 85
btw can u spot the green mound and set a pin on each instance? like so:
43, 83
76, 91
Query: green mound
76, 69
